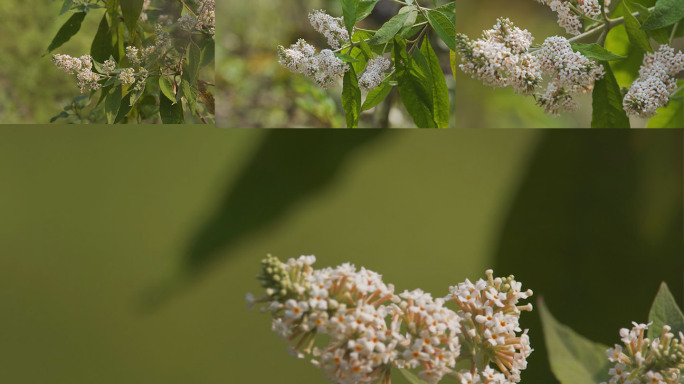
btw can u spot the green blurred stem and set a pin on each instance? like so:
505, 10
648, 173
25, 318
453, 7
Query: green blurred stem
352, 45
674, 29
609, 24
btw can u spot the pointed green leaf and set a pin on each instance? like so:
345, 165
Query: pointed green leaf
376, 96
167, 88
66, 6
636, 35
660, 35
595, 51
346, 58
664, 311
68, 29
62, 114
440, 93
135, 95
607, 102
364, 8
410, 20
389, 29
349, 8
351, 98
112, 104
190, 92
124, 108
191, 70
207, 52
131, 12
169, 112
666, 12
412, 379
101, 47
414, 86
670, 116
445, 28
574, 359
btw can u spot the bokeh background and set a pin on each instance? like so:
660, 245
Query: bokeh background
32, 89
125, 255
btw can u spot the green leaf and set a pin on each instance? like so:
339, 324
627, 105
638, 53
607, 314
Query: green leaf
349, 8
346, 58
120, 39
412, 379
409, 22
364, 8
167, 88
389, 29
68, 29
664, 311
66, 6
351, 98
131, 12
440, 93
414, 87
606, 104
124, 108
135, 95
207, 53
449, 8
101, 47
573, 358
359, 58
376, 96
666, 12
671, 116
595, 51
627, 70
636, 35
194, 57
190, 92
112, 104
60, 115
660, 35
444, 27
170, 113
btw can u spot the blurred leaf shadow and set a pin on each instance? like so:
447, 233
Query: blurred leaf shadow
288, 166
594, 227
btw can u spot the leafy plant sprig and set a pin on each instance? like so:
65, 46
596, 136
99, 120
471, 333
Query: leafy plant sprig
145, 61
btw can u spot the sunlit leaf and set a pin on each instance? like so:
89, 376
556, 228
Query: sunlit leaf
664, 311
574, 359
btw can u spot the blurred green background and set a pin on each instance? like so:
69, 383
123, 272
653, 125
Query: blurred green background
126, 255
32, 89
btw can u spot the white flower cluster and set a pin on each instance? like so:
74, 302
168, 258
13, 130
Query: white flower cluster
656, 82
331, 27
571, 73
500, 58
643, 361
370, 329
490, 320
143, 13
324, 67
570, 12
374, 74
82, 67
204, 19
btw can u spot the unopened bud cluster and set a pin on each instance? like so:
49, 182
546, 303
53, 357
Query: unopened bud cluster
369, 329
570, 12
645, 361
655, 84
502, 58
